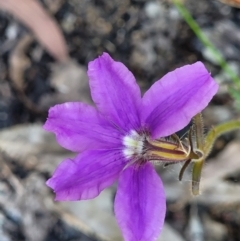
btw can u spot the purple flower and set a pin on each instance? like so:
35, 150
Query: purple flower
112, 139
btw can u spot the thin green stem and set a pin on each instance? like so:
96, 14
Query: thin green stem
198, 126
216, 131
196, 175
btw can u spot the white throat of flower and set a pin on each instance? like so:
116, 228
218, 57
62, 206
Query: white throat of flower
133, 145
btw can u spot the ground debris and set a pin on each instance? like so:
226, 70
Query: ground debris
150, 38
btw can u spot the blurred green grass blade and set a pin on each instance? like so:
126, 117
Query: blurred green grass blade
202, 37
235, 94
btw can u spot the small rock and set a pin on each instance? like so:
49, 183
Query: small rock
12, 31
153, 9
71, 83
68, 23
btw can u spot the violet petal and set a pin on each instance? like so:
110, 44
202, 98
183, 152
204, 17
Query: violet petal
172, 101
79, 126
115, 92
140, 203
87, 175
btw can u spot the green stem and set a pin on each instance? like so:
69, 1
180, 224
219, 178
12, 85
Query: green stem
216, 131
198, 126
196, 175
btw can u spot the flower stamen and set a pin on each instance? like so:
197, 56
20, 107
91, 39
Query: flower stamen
139, 147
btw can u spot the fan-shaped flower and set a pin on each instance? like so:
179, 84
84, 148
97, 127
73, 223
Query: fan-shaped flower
117, 139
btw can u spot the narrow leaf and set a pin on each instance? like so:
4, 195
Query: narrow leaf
44, 27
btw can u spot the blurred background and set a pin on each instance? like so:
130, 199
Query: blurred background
45, 47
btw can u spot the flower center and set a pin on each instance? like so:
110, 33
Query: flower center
139, 147
133, 145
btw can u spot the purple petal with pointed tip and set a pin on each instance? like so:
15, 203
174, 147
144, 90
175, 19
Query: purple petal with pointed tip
140, 203
115, 92
79, 126
172, 101
87, 175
